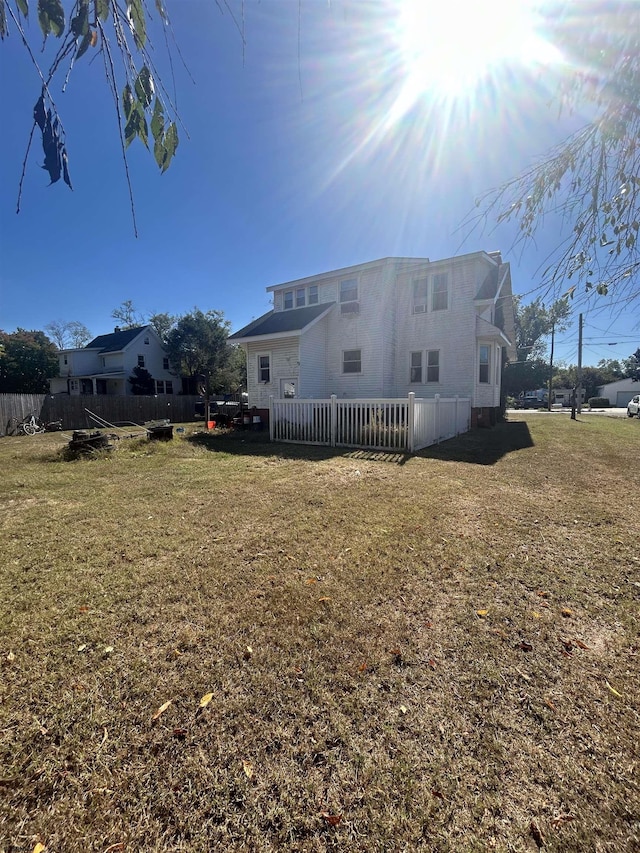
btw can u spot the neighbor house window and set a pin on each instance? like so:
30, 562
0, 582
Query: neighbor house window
65, 360
159, 386
288, 299
485, 363
433, 365
498, 363
313, 294
74, 385
440, 292
146, 340
165, 363
140, 361
349, 290
168, 386
264, 368
420, 290
300, 297
352, 361
416, 367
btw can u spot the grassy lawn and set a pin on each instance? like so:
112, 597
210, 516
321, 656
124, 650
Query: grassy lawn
435, 653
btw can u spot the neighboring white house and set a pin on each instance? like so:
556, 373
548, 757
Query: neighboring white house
620, 392
385, 328
105, 364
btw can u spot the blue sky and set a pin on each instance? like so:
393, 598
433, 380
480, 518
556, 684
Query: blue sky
296, 163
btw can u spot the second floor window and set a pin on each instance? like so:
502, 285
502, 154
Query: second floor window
313, 294
288, 299
349, 290
300, 297
165, 363
440, 292
420, 295
140, 361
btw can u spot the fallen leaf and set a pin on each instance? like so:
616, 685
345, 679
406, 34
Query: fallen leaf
104, 738
526, 647
568, 645
562, 818
247, 653
247, 766
161, 709
38, 848
205, 700
613, 690
432, 663
363, 667
403, 709
325, 598
482, 613
331, 819
537, 615
108, 650
543, 593
566, 612
312, 580
83, 609
180, 733
581, 645
82, 647
11, 656
438, 794
549, 704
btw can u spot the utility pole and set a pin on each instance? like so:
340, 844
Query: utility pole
579, 364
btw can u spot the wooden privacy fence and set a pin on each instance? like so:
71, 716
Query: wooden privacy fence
72, 410
377, 424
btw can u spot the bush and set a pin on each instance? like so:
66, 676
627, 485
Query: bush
599, 403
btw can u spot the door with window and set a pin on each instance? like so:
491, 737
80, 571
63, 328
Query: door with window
287, 389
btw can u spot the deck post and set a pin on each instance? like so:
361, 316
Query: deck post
271, 418
410, 422
334, 419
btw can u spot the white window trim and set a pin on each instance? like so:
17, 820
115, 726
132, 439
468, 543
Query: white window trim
317, 295
481, 364
427, 306
286, 293
351, 372
357, 297
428, 381
261, 381
412, 366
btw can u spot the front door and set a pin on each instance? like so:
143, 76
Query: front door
287, 389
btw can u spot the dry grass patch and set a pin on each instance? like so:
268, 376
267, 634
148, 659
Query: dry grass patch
435, 653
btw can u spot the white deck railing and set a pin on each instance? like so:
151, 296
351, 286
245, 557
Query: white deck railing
376, 424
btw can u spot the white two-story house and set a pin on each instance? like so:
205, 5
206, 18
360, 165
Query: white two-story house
385, 328
105, 364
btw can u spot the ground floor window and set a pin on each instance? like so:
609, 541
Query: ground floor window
164, 387
484, 361
352, 361
433, 365
264, 368
415, 370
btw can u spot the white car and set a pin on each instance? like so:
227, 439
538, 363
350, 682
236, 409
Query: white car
634, 407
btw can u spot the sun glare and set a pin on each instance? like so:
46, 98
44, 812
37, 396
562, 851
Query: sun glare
448, 47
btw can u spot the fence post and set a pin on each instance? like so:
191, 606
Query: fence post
271, 418
456, 416
334, 419
411, 442
437, 419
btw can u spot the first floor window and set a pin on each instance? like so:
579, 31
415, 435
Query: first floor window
159, 386
264, 368
168, 386
288, 299
485, 363
416, 367
433, 365
140, 361
313, 294
352, 361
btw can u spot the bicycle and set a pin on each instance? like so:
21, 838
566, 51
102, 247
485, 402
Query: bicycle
30, 425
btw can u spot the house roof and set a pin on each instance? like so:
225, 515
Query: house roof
279, 322
116, 341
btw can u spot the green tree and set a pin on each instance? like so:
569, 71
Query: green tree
142, 382
198, 350
162, 324
591, 180
28, 359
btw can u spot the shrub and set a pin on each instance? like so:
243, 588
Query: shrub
599, 403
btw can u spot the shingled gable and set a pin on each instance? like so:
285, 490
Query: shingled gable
116, 341
283, 322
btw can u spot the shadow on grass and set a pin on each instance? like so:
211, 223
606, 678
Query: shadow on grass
479, 447
258, 444
482, 446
